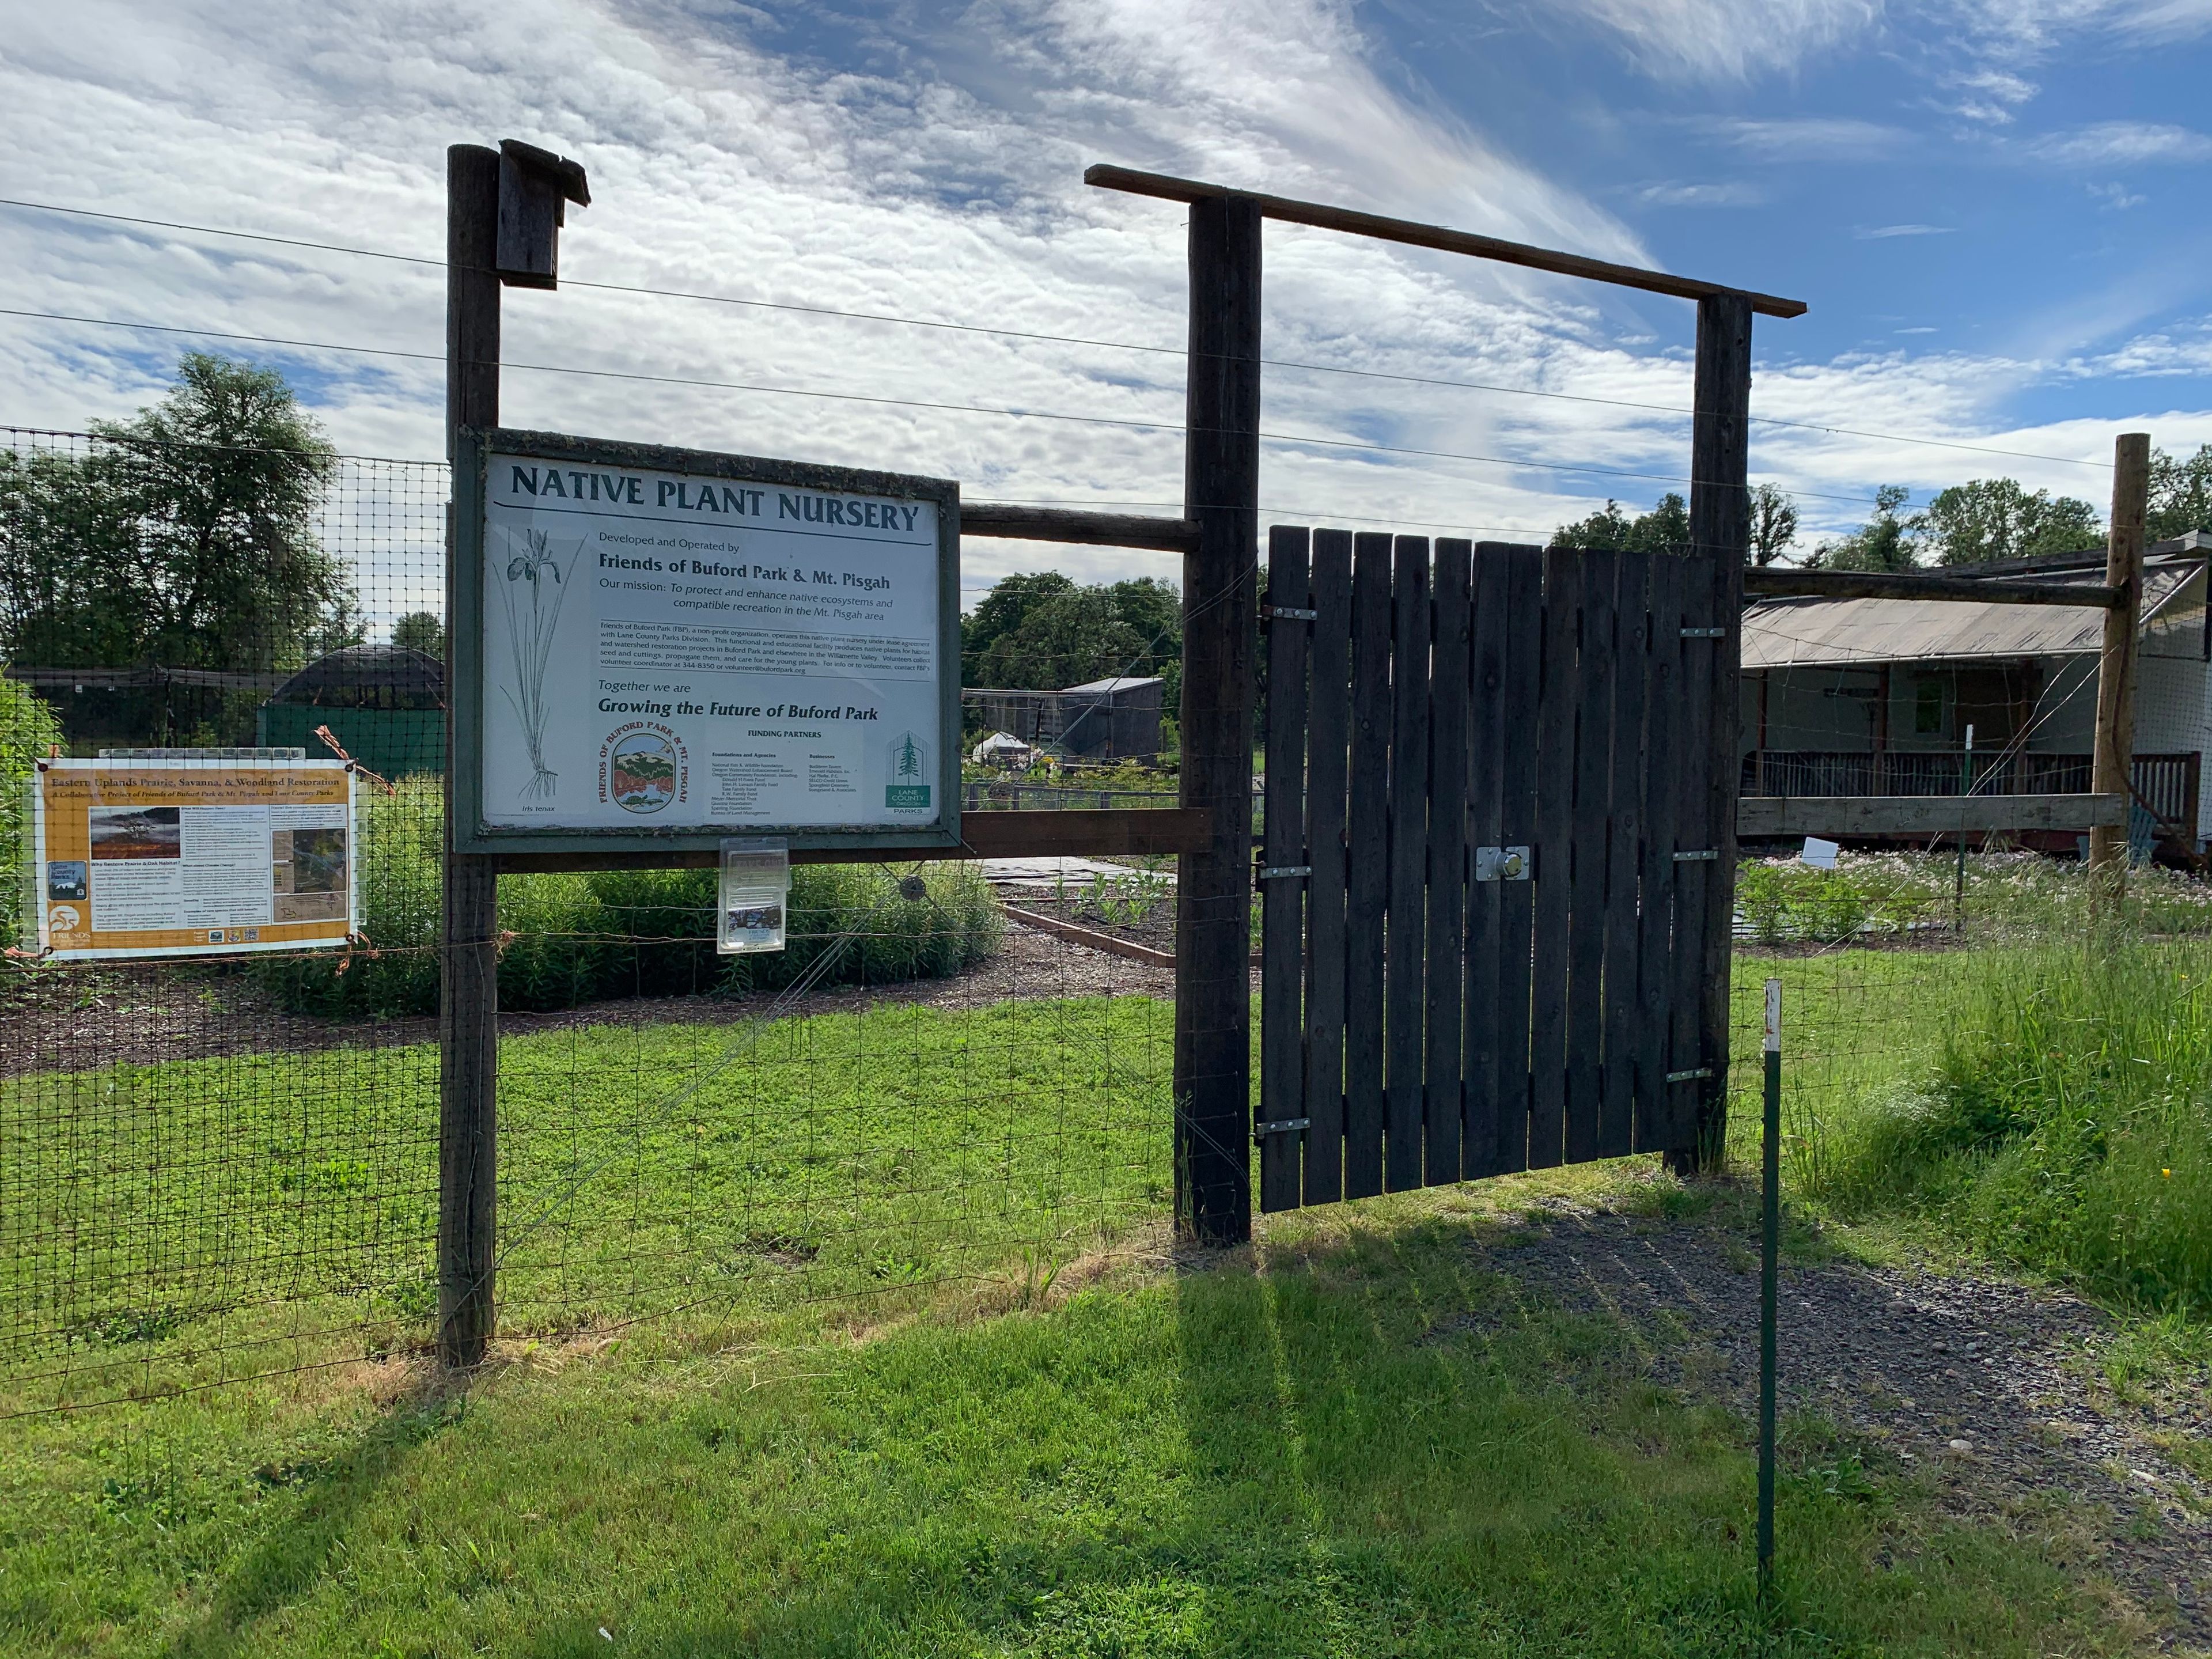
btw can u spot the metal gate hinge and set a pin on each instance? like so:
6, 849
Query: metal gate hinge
1703, 856
1280, 1127
1290, 613
1273, 871
1690, 1077
1704, 633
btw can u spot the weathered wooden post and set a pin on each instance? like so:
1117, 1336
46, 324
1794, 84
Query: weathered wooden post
2112, 766
503, 207
1720, 533
1221, 492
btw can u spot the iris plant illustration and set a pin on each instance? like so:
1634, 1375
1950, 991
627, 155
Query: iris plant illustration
531, 620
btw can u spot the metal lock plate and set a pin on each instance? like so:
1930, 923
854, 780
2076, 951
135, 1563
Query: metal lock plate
1503, 863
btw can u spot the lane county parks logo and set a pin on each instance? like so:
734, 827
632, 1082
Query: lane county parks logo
643, 766
908, 788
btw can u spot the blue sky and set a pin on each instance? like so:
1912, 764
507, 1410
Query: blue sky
1995, 208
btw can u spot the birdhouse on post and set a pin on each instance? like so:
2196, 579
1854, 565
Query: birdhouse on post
535, 187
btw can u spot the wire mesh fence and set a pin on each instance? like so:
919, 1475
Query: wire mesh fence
221, 1167
217, 1168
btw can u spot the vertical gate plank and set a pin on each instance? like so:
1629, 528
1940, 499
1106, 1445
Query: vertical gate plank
1367, 840
1517, 820
1655, 1127
1409, 840
1592, 692
1694, 699
1632, 637
1555, 783
1328, 734
1282, 899
1485, 766
1448, 722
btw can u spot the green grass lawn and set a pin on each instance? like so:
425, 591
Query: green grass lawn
920, 1377
163, 1227
1358, 1442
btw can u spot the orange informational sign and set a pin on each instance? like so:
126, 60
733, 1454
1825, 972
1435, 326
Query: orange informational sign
178, 857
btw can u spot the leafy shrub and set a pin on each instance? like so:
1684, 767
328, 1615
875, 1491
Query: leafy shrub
570, 940
27, 727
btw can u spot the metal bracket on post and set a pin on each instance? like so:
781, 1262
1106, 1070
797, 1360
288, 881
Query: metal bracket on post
1704, 633
1700, 856
1284, 1126
1282, 872
1288, 613
1695, 1075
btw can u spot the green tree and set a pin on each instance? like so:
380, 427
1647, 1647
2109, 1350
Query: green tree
1002, 612
1773, 524
1880, 544
1665, 527
2180, 494
421, 630
1994, 518
1042, 632
1066, 639
186, 537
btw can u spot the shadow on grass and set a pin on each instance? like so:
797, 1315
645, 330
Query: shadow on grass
290, 1560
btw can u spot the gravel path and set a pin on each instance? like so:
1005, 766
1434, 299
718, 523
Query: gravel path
1990, 1385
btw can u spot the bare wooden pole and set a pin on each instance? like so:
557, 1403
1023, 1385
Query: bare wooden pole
1720, 533
1220, 645
2113, 763
468, 1010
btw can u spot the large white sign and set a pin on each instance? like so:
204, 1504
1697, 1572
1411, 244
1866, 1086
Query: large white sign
669, 649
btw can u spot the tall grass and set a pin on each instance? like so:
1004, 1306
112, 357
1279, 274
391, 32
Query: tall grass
2066, 1123
576, 938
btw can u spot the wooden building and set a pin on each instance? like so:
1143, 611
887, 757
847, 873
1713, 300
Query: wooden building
1875, 697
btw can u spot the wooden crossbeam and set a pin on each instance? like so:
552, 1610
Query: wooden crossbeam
1052, 523
1772, 583
1416, 235
1844, 816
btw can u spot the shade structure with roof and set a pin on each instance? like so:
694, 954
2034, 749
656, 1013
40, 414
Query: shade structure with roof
1877, 696
1113, 718
384, 703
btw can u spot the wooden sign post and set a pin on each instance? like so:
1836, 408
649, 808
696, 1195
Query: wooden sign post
2111, 767
503, 210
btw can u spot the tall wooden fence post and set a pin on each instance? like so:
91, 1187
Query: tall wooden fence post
2112, 766
1221, 492
468, 1022
1720, 533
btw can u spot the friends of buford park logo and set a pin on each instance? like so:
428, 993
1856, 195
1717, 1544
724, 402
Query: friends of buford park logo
643, 766
908, 788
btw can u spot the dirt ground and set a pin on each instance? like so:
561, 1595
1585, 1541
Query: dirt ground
1992, 1389
83, 1017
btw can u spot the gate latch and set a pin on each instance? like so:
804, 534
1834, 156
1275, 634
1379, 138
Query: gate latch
1503, 863
1281, 1125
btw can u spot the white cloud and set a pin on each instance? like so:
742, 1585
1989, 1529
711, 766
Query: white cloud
1809, 138
948, 192
1882, 232
1725, 40
1732, 193
2122, 143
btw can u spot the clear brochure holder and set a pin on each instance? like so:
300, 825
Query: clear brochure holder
756, 883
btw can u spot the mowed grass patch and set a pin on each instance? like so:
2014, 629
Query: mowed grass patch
1362, 1442
168, 1225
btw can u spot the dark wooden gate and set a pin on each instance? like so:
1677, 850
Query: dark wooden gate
1487, 859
